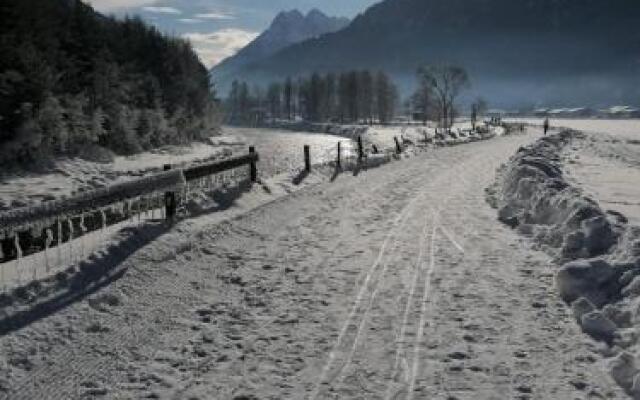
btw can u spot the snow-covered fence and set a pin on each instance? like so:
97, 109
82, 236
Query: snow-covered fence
353, 159
34, 229
46, 214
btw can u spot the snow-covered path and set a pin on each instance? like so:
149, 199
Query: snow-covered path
395, 284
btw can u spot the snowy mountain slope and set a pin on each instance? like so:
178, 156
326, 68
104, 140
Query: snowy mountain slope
287, 28
398, 283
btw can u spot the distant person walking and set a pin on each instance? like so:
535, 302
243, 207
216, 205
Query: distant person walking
546, 126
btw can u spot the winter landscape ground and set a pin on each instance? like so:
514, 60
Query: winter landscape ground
397, 282
312, 199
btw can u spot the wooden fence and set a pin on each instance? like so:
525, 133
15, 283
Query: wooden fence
30, 230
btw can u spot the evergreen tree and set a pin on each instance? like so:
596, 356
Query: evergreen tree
101, 76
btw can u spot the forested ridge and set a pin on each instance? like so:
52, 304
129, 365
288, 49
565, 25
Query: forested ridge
72, 79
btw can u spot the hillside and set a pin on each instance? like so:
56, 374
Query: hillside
71, 78
547, 51
287, 28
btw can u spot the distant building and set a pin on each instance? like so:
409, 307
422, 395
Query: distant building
541, 112
497, 113
579, 112
620, 112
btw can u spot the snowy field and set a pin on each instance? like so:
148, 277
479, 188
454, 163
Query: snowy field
606, 164
281, 151
620, 128
70, 176
609, 171
397, 283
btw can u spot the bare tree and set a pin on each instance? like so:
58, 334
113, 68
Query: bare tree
386, 96
288, 98
446, 82
274, 100
478, 108
422, 101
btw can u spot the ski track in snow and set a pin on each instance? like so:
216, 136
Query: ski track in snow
395, 284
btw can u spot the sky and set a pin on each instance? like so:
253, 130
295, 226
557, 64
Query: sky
219, 28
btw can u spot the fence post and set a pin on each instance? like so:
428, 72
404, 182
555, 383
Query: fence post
398, 147
339, 161
253, 167
169, 200
307, 158
360, 149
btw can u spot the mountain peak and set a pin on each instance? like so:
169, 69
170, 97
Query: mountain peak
287, 18
315, 13
288, 28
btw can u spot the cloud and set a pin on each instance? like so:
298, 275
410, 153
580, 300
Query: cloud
162, 10
113, 5
215, 16
190, 20
215, 46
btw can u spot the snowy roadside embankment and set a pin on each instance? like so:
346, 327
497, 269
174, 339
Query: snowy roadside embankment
599, 250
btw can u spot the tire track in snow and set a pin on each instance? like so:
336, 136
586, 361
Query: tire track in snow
423, 312
417, 273
367, 311
397, 224
436, 225
376, 288
405, 318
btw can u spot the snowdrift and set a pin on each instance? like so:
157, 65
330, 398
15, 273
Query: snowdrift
599, 252
346, 131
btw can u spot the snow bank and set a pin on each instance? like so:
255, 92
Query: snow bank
347, 131
599, 252
226, 141
536, 198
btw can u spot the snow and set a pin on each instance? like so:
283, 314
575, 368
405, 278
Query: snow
558, 187
608, 169
532, 191
598, 326
72, 176
620, 128
301, 291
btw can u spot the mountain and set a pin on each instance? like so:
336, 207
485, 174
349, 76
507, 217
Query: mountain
518, 52
287, 28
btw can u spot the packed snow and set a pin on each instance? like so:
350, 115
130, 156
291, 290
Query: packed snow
571, 193
391, 282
